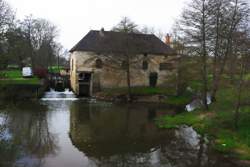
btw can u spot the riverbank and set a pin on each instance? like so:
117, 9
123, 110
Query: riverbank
146, 95
14, 87
218, 124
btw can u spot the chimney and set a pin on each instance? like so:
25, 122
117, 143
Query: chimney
101, 32
168, 39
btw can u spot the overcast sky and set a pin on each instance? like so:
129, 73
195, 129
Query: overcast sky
75, 18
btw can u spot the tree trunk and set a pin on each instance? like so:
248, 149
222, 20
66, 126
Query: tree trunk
238, 103
227, 52
236, 114
215, 60
128, 78
204, 59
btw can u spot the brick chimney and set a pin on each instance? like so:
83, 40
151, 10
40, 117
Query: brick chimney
168, 39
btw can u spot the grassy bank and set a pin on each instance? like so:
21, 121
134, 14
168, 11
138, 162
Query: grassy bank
15, 77
168, 93
143, 91
55, 69
14, 87
218, 124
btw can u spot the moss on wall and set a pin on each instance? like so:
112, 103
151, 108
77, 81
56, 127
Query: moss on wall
20, 91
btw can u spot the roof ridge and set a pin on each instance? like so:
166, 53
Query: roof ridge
129, 33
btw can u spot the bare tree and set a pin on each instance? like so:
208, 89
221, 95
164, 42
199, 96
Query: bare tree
151, 30
226, 17
124, 63
127, 60
17, 46
242, 43
194, 26
41, 36
126, 25
6, 19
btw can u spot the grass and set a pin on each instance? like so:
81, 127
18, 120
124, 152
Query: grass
181, 100
218, 123
143, 91
15, 77
11, 74
171, 99
55, 69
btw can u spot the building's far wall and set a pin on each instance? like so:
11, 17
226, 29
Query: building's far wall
110, 77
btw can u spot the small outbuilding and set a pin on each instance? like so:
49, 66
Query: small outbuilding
101, 59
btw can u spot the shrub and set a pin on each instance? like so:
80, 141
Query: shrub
41, 72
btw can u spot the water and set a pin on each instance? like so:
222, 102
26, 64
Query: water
63, 131
197, 103
53, 95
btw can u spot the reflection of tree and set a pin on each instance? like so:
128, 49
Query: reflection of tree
29, 127
125, 135
8, 150
3, 118
125, 160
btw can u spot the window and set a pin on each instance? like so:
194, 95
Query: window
72, 64
165, 66
98, 63
84, 77
144, 65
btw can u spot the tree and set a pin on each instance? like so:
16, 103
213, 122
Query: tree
241, 42
6, 19
226, 17
127, 60
126, 25
17, 46
194, 26
41, 36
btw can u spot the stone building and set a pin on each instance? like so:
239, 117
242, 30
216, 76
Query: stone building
102, 59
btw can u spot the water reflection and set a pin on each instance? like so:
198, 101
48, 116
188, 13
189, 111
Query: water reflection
126, 136
100, 130
27, 124
86, 133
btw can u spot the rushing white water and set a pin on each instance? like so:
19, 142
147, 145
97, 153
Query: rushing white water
53, 95
197, 103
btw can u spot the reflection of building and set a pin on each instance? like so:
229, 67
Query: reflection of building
125, 135
105, 131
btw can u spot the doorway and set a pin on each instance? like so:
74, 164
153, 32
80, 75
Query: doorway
153, 77
84, 81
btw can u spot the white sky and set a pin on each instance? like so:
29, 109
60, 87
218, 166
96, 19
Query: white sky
75, 18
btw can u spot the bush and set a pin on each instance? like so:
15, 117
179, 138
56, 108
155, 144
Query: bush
40, 72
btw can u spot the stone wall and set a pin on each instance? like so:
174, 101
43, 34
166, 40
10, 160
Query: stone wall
14, 92
112, 75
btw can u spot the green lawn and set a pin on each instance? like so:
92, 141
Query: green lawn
181, 100
15, 77
11, 74
55, 69
171, 99
140, 91
218, 123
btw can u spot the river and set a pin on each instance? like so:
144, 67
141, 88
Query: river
61, 130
